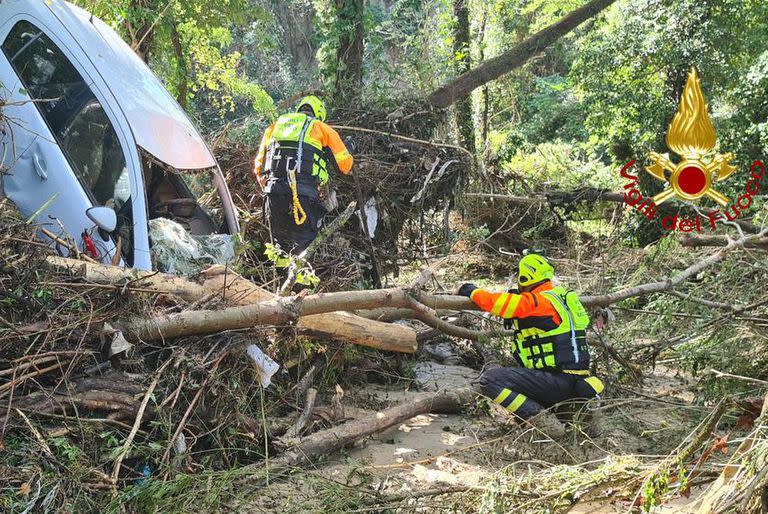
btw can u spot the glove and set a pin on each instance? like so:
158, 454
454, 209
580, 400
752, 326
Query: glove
350, 144
508, 323
466, 290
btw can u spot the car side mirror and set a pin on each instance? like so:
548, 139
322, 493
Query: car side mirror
104, 218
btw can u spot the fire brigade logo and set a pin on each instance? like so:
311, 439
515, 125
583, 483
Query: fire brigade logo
692, 136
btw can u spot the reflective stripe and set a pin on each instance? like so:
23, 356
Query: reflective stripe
341, 156
529, 332
503, 310
595, 383
574, 344
582, 372
300, 151
502, 396
500, 303
517, 402
504, 303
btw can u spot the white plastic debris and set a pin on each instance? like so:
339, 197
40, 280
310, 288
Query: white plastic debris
176, 251
264, 364
180, 445
118, 344
371, 215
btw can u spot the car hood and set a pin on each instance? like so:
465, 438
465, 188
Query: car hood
160, 126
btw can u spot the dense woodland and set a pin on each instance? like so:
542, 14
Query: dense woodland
480, 128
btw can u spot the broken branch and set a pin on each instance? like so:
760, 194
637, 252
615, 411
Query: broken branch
336, 438
760, 243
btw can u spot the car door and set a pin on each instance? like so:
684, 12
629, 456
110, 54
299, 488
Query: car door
66, 155
39, 179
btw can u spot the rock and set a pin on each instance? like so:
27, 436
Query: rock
431, 376
442, 351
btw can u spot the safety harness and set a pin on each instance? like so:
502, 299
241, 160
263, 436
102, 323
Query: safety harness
293, 139
299, 216
562, 348
564, 306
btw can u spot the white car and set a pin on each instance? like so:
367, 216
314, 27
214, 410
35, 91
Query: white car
93, 145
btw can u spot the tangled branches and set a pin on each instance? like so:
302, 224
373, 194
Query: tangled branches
406, 181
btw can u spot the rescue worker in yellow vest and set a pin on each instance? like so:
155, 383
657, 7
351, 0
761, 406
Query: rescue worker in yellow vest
294, 159
550, 344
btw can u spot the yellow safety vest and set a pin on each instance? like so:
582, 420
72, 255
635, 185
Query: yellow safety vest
563, 348
292, 130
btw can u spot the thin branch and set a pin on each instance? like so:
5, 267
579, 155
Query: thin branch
137, 422
403, 138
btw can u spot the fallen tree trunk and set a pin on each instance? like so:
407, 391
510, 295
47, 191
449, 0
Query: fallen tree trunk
424, 305
236, 290
577, 195
344, 326
699, 241
515, 57
589, 194
275, 312
336, 438
114, 393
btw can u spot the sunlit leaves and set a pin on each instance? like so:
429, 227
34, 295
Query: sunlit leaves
190, 46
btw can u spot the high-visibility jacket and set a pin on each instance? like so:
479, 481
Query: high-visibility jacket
550, 324
279, 150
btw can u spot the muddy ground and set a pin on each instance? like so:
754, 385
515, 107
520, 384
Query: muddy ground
438, 452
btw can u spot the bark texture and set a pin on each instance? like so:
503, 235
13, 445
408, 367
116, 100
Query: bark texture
699, 241
273, 312
237, 291
336, 438
349, 54
463, 63
492, 69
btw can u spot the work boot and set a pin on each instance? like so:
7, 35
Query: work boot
588, 419
592, 421
547, 423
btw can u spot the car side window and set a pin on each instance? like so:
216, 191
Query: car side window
74, 115
76, 118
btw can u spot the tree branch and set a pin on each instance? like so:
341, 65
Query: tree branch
494, 68
699, 241
327, 232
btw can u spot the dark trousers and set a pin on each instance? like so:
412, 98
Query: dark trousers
526, 392
293, 238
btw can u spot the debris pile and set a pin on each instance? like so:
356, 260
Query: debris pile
407, 184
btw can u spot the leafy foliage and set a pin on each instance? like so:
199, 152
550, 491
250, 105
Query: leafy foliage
190, 44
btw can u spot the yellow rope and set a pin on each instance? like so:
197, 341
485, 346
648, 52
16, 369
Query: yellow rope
299, 216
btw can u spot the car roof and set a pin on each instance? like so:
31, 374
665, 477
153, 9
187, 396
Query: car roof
160, 126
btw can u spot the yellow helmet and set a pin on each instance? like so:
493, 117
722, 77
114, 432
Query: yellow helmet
317, 105
534, 268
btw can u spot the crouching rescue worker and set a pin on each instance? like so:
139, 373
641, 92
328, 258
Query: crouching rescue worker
293, 163
550, 346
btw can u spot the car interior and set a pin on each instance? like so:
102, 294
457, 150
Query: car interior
169, 196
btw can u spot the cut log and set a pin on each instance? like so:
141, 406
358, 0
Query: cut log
237, 290
336, 438
344, 326
275, 311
